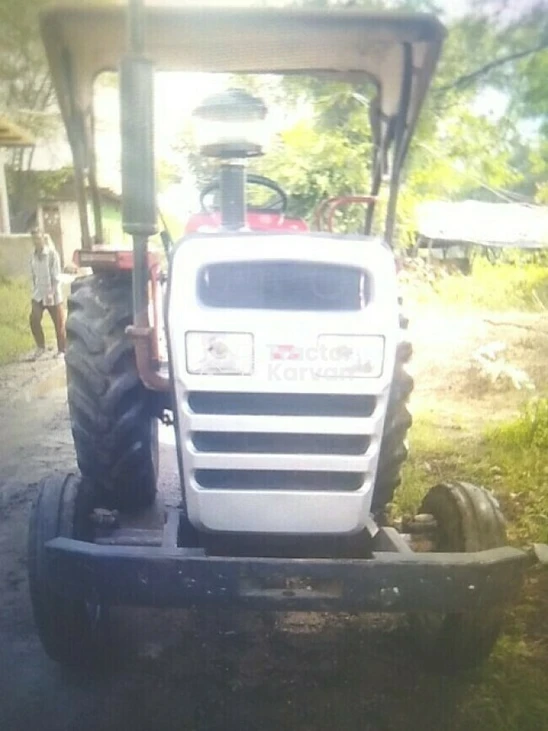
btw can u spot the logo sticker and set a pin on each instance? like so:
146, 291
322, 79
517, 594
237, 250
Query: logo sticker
285, 352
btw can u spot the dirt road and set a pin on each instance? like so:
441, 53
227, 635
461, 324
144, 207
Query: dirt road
216, 672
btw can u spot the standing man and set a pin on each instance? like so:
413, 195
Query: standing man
46, 292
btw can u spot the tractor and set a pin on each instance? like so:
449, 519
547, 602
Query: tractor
285, 378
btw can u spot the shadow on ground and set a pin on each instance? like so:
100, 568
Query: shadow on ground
217, 672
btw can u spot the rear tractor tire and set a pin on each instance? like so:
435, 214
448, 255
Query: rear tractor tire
114, 427
468, 519
394, 439
72, 631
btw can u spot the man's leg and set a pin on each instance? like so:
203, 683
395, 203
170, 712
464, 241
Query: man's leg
35, 321
57, 314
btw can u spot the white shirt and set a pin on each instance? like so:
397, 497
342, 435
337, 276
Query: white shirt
46, 276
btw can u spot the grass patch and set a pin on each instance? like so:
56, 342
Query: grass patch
519, 448
15, 336
509, 694
509, 459
491, 287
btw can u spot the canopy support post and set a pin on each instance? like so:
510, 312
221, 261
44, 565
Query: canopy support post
81, 196
93, 184
400, 142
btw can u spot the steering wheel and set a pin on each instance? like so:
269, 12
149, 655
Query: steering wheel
267, 196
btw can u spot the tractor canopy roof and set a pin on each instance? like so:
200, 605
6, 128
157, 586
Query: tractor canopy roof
353, 45
397, 52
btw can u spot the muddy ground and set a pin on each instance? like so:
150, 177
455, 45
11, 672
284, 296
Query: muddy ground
178, 671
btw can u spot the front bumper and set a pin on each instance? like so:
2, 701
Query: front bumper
391, 580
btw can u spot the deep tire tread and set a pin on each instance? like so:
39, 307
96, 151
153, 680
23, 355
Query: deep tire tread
397, 423
469, 520
67, 632
109, 407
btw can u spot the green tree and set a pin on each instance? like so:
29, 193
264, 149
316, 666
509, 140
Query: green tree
27, 94
26, 90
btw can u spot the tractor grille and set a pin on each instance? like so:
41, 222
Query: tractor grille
260, 429
281, 404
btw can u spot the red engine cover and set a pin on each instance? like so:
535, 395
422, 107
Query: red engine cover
255, 221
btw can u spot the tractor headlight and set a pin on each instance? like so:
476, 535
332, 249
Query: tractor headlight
219, 353
350, 356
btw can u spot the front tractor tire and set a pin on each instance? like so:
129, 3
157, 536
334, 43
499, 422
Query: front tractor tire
114, 428
467, 520
73, 632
